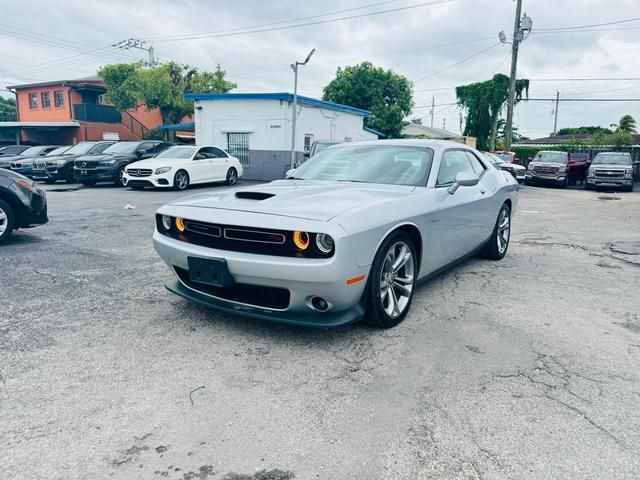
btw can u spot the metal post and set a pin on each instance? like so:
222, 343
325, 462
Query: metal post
508, 130
152, 60
294, 115
433, 108
555, 122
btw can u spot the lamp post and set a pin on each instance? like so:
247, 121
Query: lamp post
294, 114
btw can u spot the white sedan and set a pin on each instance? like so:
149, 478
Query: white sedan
181, 166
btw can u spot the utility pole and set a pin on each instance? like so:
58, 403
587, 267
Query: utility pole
555, 122
139, 44
520, 28
294, 114
433, 108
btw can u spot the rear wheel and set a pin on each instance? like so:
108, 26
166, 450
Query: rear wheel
181, 180
7, 221
392, 281
496, 247
232, 176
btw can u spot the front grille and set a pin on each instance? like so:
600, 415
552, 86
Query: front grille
85, 164
16, 165
139, 183
254, 295
609, 173
240, 239
545, 170
139, 172
40, 164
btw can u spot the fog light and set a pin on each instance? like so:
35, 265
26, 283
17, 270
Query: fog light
180, 224
166, 222
319, 304
301, 240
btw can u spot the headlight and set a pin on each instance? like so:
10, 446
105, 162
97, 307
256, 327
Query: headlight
60, 162
628, 173
166, 222
301, 240
180, 224
26, 184
591, 172
324, 243
162, 170
107, 162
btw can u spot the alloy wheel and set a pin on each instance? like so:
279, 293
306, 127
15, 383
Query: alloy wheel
504, 230
396, 279
181, 180
232, 177
4, 221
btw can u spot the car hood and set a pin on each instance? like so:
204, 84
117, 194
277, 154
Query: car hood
311, 200
103, 156
603, 166
548, 164
152, 163
10, 174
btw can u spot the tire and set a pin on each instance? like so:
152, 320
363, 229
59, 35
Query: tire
497, 246
119, 179
68, 175
181, 180
564, 184
232, 176
381, 295
7, 221
88, 183
50, 181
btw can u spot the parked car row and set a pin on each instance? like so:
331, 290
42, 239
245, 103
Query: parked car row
137, 165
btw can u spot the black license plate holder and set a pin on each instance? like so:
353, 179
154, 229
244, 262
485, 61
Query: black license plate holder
210, 271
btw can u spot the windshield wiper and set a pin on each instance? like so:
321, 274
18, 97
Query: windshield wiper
351, 181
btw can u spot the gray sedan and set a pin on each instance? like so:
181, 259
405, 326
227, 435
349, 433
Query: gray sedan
346, 236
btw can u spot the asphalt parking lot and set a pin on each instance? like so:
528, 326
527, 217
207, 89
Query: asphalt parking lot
525, 368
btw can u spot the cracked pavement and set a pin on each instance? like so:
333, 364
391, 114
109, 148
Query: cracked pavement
524, 368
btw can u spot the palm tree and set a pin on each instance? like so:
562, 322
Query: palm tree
627, 124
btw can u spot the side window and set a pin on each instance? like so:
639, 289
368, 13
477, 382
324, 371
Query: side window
162, 146
453, 162
145, 149
202, 154
477, 165
219, 153
101, 147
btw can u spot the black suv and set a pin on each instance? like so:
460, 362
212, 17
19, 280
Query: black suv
22, 204
109, 165
60, 167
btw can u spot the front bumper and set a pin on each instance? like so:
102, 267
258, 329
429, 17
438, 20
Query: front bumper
26, 171
605, 182
161, 181
303, 278
100, 174
548, 179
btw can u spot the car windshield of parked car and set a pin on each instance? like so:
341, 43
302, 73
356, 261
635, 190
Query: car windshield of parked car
493, 158
12, 150
177, 152
122, 147
32, 151
386, 164
612, 159
505, 157
80, 149
550, 157
57, 151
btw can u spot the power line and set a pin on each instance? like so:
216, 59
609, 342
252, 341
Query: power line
577, 27
457, 63
249, 27
287, 27
582, 99
613, 79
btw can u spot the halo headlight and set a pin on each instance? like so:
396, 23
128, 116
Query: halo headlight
166, 222
301, 240
324, 243
180, 224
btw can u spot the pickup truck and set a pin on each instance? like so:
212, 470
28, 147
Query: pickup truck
611, 170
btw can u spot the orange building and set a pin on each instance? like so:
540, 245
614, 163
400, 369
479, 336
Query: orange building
66, 112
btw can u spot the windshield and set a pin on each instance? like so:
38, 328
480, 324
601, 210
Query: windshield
12, 150
612, 159
505, 157
493, 158
386, 164
80, 148
57, 151
122, 147
551, 157
177, 152
322, 146
32, 151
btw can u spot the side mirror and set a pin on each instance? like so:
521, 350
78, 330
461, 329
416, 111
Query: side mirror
139, 154
463, 179
289, 173
307, 154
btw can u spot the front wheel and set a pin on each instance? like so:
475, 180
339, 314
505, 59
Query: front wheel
181, 180
7, 221
232, 176
68, 175
120, 181
392, 281
496, 247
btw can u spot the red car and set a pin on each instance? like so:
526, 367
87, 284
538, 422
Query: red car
578, 164
508, 157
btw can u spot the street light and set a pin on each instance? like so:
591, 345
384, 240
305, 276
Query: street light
294, 115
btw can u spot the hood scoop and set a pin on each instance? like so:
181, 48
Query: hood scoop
254, 195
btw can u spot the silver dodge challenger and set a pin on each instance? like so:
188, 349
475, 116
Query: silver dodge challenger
346, 236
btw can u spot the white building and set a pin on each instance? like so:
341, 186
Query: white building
256, 127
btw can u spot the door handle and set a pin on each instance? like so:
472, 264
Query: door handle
482, 192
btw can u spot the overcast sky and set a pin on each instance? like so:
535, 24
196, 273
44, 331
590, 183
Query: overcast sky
62, 42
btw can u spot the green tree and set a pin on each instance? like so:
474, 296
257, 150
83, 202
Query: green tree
8, 110
386, 94
591, 130
483, 102
627, 124
163, 87
416, 121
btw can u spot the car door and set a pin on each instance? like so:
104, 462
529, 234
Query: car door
199, 168
220, 163
459, 215
145, 150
